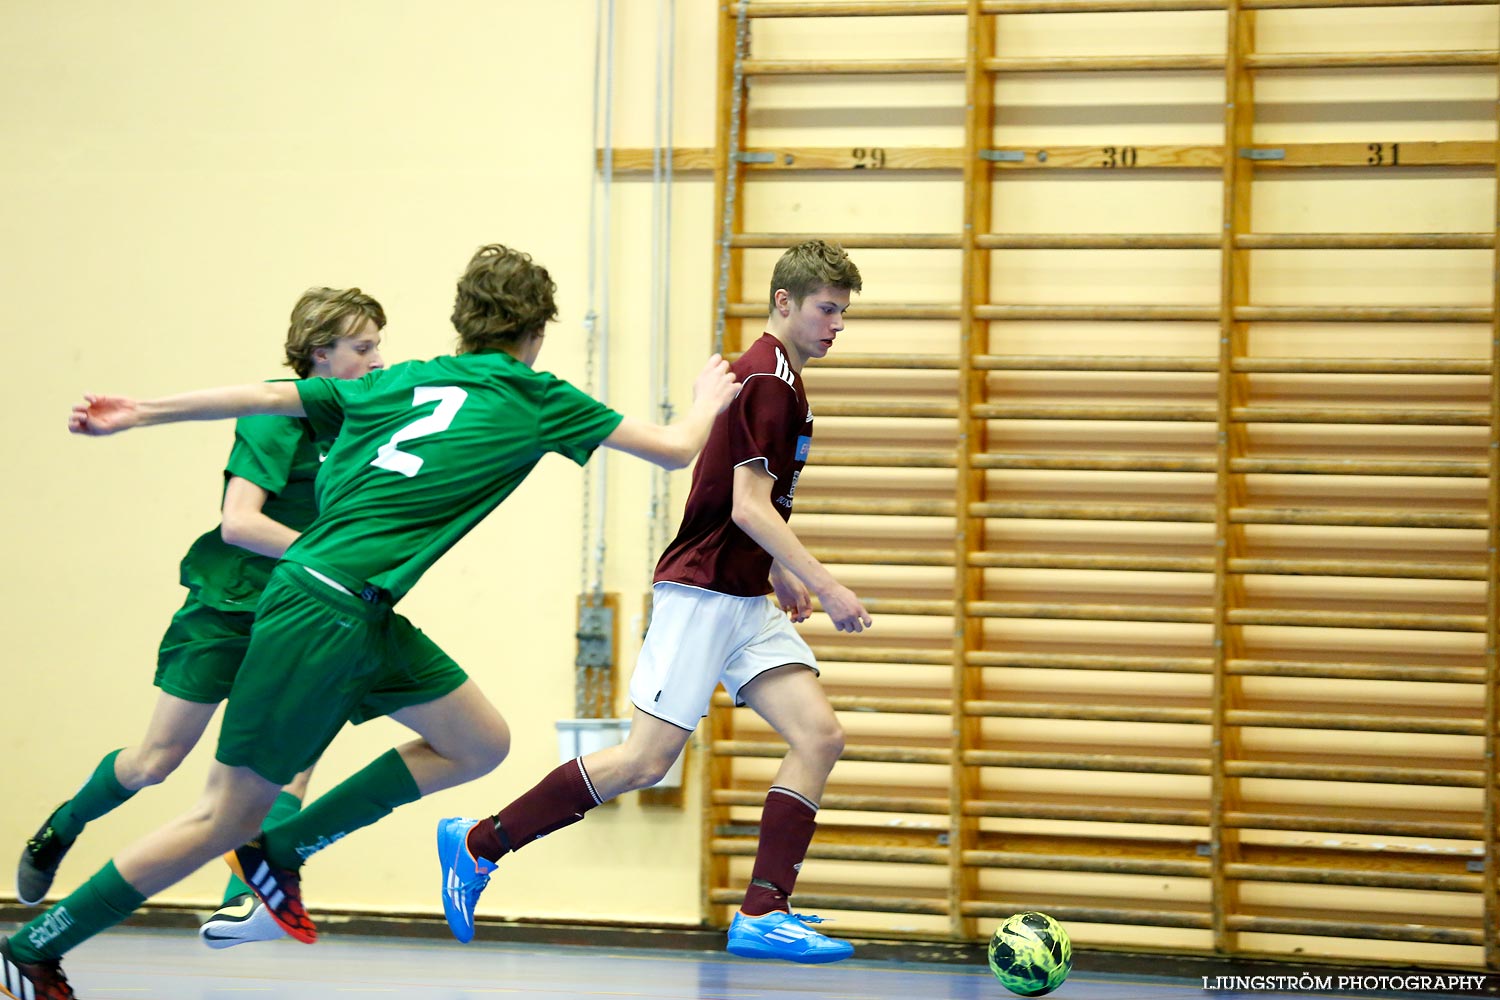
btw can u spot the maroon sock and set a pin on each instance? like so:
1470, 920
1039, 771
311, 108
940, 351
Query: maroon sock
786, 828
558, 800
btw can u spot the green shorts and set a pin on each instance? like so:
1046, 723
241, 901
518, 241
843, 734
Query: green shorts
202, 651
319, 657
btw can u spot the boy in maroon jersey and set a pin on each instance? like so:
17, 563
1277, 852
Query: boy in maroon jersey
711, 623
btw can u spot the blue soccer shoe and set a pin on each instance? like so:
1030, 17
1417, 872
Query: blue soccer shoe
786, 936
464, 876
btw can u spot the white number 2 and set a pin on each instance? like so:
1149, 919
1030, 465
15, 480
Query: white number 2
449, 399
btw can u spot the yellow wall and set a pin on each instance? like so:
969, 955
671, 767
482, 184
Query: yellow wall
175, 174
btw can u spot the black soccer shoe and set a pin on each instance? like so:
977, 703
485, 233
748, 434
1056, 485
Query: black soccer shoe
39, 861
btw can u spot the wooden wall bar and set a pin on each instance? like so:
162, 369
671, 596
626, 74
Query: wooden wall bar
1186, 616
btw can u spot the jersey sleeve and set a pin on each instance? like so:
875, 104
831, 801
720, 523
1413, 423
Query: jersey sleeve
323, 403
572, 423
264, 448
762, 422
326, 399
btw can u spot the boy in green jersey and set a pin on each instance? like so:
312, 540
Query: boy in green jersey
423, 450
268, 501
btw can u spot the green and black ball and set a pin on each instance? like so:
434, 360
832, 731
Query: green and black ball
1030, 954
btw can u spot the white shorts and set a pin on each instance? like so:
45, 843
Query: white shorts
698, 638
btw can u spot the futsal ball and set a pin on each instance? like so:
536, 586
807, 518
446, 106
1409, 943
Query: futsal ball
1030, 954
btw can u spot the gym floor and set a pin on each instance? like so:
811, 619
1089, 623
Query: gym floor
142, 964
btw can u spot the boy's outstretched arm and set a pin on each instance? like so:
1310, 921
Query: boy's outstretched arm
675, 445
101, 415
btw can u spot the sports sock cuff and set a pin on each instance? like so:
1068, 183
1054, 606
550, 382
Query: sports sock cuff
794, 794
109, 779
365, 797
284, 808
560, 799
100, 794
403, 786
116, 893
587, 781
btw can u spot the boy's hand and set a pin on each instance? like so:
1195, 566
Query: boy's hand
101, 415
792, 595
844, 607
716, 385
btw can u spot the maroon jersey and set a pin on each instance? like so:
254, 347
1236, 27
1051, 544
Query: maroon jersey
769, 421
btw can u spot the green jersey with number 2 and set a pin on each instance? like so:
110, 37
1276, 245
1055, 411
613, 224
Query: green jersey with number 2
424, 450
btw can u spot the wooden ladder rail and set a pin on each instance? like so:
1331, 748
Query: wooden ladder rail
1490, 866
1224, 843
969, 482
1159, 156
728, 177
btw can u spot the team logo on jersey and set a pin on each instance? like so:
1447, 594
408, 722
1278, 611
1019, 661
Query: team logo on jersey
804, 448
791, 491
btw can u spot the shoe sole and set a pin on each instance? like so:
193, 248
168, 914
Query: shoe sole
813, 958
21, 895
305, 936
225, 930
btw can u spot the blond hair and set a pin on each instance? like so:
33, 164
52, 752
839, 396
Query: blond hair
322, 316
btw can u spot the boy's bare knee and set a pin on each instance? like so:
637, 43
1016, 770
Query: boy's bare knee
833, 740
824, 742
647, 770
154, 764
222, 826
494, 750
484, 750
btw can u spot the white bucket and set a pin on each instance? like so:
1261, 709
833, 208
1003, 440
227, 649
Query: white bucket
579, 737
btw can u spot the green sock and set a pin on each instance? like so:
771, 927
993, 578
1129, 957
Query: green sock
361, 799
97, 905
285, 807
98, 796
